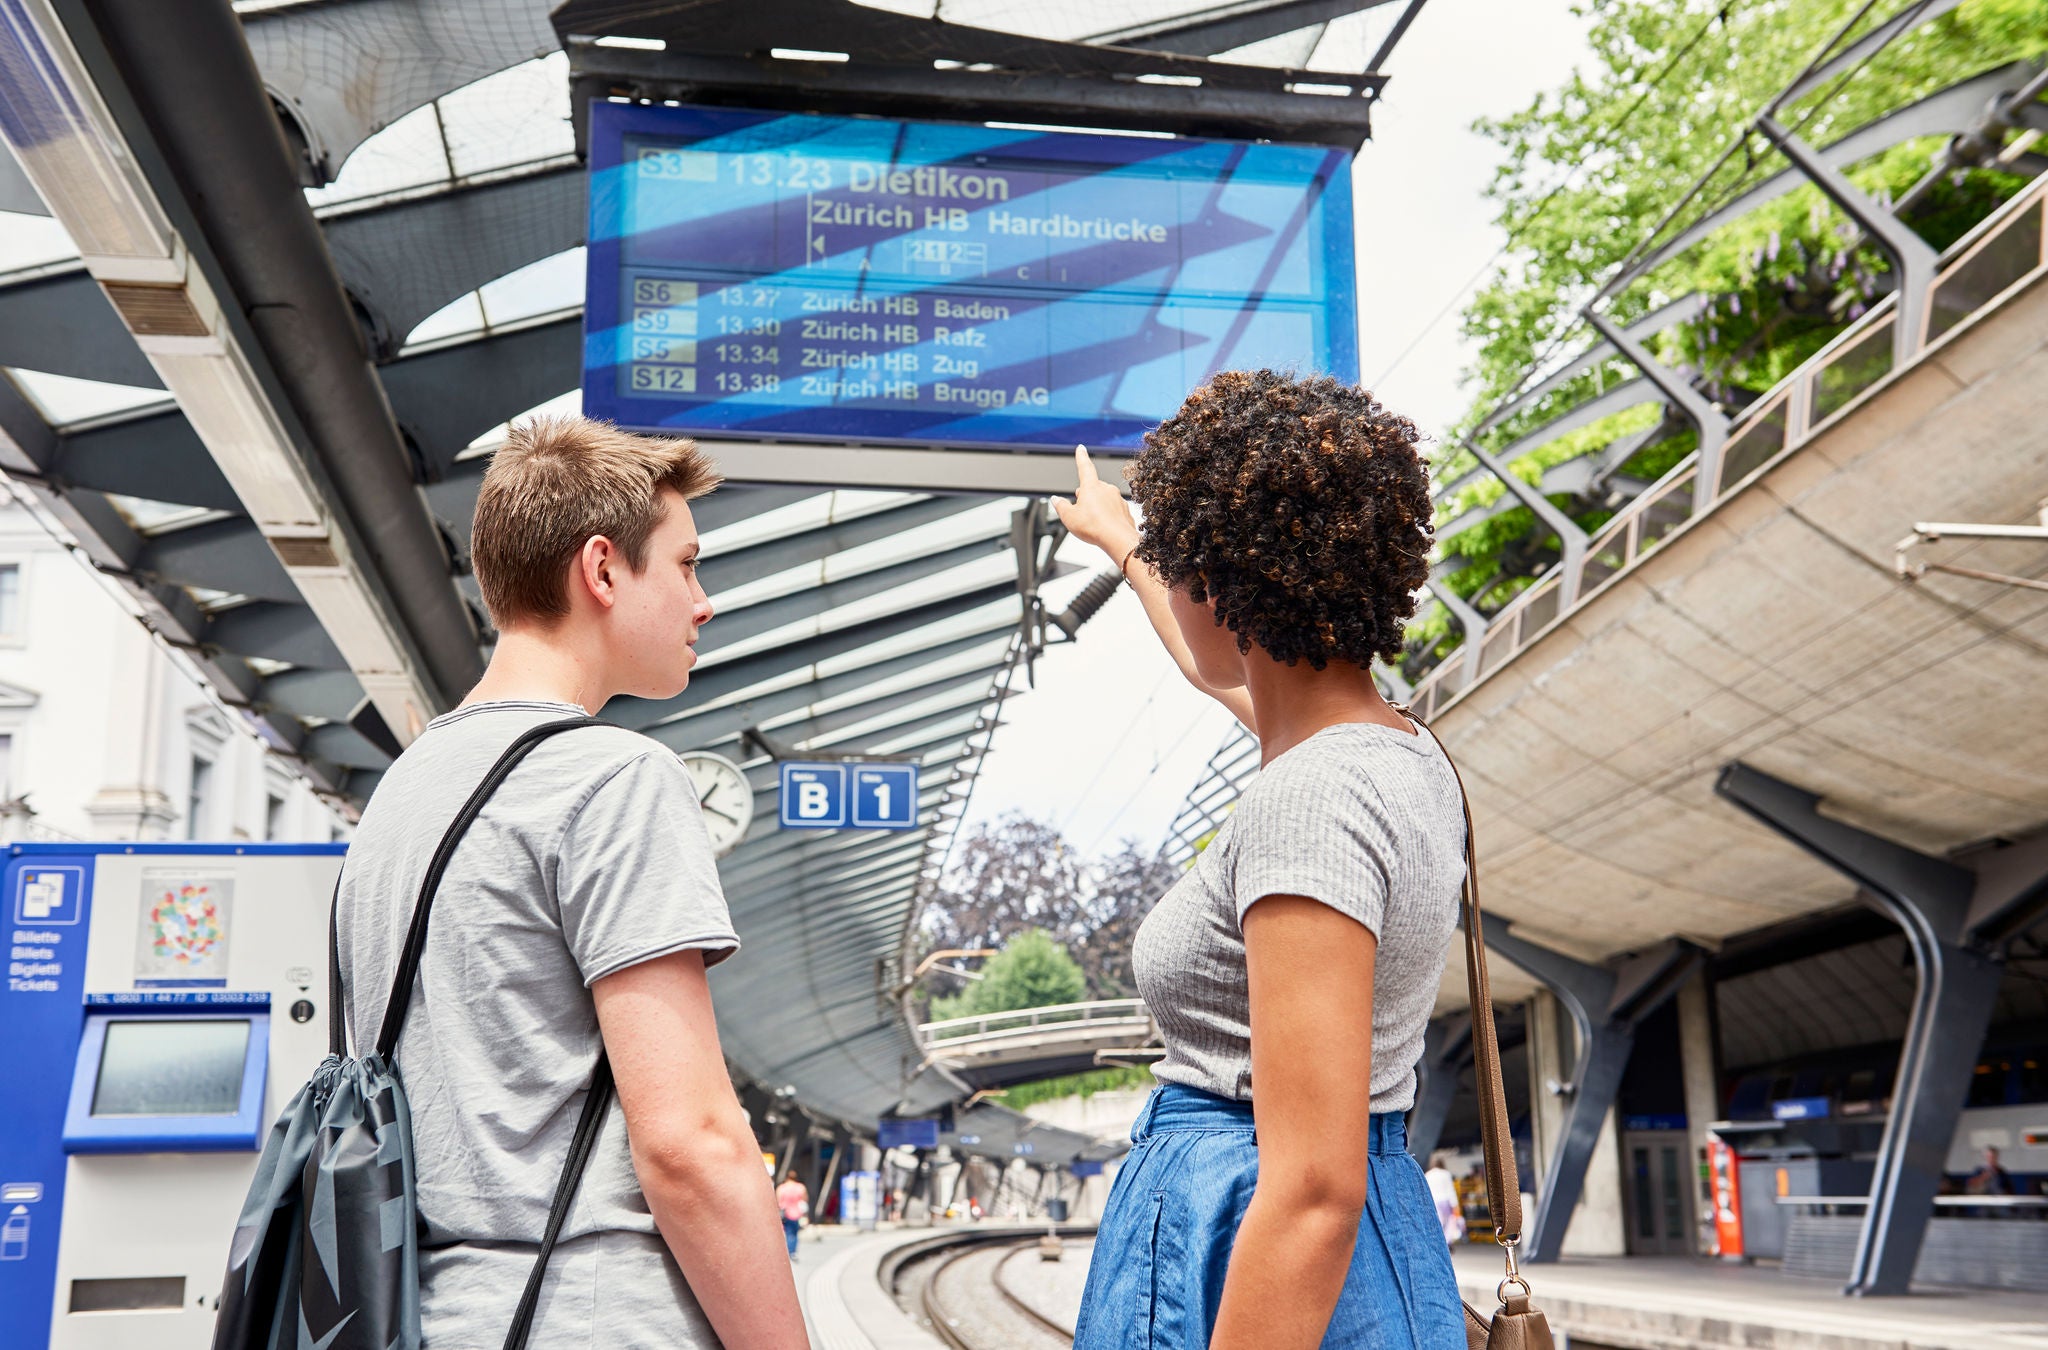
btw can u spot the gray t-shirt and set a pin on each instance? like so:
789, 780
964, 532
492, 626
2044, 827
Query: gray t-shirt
591, 857
1361, 817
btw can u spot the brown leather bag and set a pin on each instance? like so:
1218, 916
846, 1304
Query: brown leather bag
1516, 1324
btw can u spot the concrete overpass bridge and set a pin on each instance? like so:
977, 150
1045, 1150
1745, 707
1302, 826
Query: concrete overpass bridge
1001, 1049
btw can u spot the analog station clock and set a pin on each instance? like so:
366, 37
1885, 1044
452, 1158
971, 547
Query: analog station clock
725, 795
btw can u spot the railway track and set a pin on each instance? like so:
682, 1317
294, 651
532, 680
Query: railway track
946, 1285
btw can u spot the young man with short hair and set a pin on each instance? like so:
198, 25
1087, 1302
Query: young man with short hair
579, 913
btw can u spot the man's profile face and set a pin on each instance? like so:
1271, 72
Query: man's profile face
659, 609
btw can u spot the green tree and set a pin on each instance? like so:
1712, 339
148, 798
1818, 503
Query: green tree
1589, 169
1031, 971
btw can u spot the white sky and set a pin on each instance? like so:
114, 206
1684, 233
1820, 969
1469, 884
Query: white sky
1423, 231
1110, 741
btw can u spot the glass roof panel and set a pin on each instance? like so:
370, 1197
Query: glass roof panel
406, 154
554, 285
811, 512
514, 117
931, 635
978, 523
463, 314
150, 517
968, 576
517, 116
546, 287
571, 402
979, 658
924, 590
64, 399
32, 241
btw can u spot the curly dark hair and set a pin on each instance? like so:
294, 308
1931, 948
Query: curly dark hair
1299, 505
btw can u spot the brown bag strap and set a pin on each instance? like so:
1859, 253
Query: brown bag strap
1503, 1186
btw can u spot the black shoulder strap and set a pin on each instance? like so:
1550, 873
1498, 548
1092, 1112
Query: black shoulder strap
337, 1016
416, 934
587, 1126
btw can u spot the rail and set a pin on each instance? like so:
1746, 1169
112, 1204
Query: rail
1940, 1201
2007, 250
1107, 1013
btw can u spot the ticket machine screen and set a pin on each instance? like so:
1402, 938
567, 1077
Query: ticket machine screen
171, 1067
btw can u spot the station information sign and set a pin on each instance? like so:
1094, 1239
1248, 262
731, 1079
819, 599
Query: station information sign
781, 276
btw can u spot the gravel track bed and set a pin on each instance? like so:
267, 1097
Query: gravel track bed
1051, 1288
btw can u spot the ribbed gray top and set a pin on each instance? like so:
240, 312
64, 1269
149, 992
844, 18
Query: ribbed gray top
1361, 817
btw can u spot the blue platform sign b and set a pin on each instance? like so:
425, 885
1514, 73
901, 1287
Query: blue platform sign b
848, 794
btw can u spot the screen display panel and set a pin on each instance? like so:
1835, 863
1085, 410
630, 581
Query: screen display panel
171, 1066
767, 275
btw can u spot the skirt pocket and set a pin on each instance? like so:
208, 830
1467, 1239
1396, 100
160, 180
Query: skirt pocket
1119, 1305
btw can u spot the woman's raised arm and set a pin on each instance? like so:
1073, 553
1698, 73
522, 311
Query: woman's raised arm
1099, 515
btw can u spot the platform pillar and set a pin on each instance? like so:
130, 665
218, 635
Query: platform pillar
1698, 1058
1605, 1006
1933, 902
1446, 1050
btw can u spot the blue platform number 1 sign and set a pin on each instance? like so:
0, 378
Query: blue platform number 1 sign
885, 796
849, 794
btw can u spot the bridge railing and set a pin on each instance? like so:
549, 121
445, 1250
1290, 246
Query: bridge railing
1103, 1011
2007, 250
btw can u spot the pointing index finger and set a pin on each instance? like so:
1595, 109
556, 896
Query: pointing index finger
1084, 465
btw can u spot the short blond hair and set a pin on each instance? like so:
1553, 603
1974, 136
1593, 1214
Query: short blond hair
558, 481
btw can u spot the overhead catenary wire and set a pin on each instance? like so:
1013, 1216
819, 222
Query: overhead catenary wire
1543, 205
1131, 726
1132, 796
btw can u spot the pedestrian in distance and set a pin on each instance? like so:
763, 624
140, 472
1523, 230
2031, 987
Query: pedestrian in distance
577, 916
1269, 1201
1990, 1178
1443, 1189
793, 1198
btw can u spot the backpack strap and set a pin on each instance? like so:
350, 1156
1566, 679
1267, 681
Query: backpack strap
587, 1126
337, 1015
416, 933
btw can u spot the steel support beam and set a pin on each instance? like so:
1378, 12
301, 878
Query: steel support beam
1605, 1006
1929, 898
1604, 1046
1446, 1050
1690, 402
1222, 28
1569, 535
1468, 618
1912, 255
56, 320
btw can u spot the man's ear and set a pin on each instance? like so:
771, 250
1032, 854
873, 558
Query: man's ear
596, 562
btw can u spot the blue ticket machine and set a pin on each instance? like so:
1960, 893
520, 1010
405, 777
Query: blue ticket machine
162, 1003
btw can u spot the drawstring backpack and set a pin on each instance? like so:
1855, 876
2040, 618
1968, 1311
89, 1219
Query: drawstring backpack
326, 1252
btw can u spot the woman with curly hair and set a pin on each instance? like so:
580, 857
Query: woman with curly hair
1269, 1200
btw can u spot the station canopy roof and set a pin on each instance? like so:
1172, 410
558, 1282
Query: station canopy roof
431, 167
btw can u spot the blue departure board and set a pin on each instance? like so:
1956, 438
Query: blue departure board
782, 276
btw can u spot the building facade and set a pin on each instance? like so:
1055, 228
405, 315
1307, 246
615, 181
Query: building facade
103, 736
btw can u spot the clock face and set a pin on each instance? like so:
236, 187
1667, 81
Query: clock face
725, 796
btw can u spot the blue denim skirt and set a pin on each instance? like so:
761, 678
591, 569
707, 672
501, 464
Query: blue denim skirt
1156, 1279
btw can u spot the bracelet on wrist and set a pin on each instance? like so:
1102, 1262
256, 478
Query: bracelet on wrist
1128, 555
